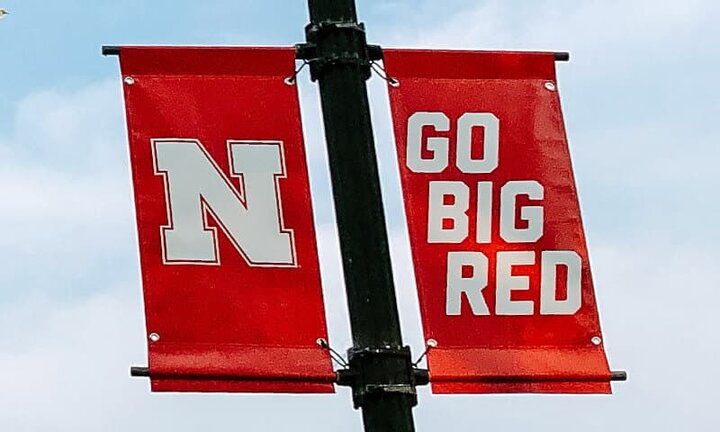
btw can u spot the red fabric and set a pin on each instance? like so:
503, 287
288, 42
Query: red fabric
228, 327
491, 353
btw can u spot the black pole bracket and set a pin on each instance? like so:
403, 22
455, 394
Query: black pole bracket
361, 54
369, 381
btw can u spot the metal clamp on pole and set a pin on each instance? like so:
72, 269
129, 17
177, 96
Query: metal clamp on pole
361, 54
368, 380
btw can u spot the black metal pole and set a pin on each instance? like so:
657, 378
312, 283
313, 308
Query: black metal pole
380, 372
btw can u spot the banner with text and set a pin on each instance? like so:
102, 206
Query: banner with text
498, 247
230, 271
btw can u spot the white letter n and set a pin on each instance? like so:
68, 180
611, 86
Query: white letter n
251, 216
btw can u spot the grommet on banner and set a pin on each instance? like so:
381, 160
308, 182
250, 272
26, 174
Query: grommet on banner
322, 343
382, 73
430, 344
291, 80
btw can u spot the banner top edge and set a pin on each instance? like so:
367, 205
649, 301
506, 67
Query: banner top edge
469, 64
205, 60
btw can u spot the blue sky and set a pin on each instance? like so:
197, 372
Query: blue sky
640, 103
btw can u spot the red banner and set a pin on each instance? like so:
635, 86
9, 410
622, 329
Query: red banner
230, 270
497, 240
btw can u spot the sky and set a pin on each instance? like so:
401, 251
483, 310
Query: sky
640, 108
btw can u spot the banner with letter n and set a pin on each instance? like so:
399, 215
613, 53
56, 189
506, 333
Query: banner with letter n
498, 247
228, 253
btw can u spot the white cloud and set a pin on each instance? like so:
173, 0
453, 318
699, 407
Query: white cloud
71, 131
66, 369
66, 216
589, 27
